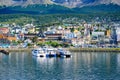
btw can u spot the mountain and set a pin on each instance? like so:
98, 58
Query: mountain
57, 9
59, 6
24, 2
68, 3
80, 3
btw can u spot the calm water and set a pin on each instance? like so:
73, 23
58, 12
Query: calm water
82, 66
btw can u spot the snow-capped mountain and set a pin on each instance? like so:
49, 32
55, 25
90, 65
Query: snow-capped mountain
68, 3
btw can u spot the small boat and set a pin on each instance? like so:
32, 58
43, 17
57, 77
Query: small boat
50, 52
38, 52
63, 53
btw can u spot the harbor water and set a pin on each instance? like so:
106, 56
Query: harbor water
81, 66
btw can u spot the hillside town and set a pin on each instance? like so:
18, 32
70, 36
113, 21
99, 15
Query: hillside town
84, 35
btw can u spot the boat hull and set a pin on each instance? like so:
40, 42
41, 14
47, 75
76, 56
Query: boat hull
51, 55
38, 54
50, 52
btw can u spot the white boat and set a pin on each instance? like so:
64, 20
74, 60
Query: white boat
63, 53
50, 52
38, 52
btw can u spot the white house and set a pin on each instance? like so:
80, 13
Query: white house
118, 33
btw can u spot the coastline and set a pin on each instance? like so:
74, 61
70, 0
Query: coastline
18, 49
70, 49
94, 49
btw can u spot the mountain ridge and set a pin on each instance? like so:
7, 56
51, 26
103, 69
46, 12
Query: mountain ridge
57, 9
67, 3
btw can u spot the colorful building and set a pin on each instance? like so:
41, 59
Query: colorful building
4, 30
113, 36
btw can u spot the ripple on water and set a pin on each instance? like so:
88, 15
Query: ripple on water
82, 66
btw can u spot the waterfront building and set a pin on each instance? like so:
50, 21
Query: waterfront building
87, 36
53, 36
70, 36
11, 38
108, 33
4, 30
20, 36
113, 37
118, 35
63, 31
77, 33
30, 28
29, 36
16, 30
98, 38
77, 42
41, 34
97, 34
7, 38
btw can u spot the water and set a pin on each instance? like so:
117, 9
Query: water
82, 66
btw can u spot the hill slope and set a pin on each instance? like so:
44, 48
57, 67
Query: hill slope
68, 3
57, 9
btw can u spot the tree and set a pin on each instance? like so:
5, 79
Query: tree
54, 44
41, 43
19, 41
72, 29
35, 39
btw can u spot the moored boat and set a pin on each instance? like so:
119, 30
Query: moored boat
38, 52
50, 52
63, 53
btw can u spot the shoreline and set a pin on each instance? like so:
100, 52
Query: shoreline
70, 49
94, 49
18, 49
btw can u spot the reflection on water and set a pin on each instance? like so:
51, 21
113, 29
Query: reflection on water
82, 66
